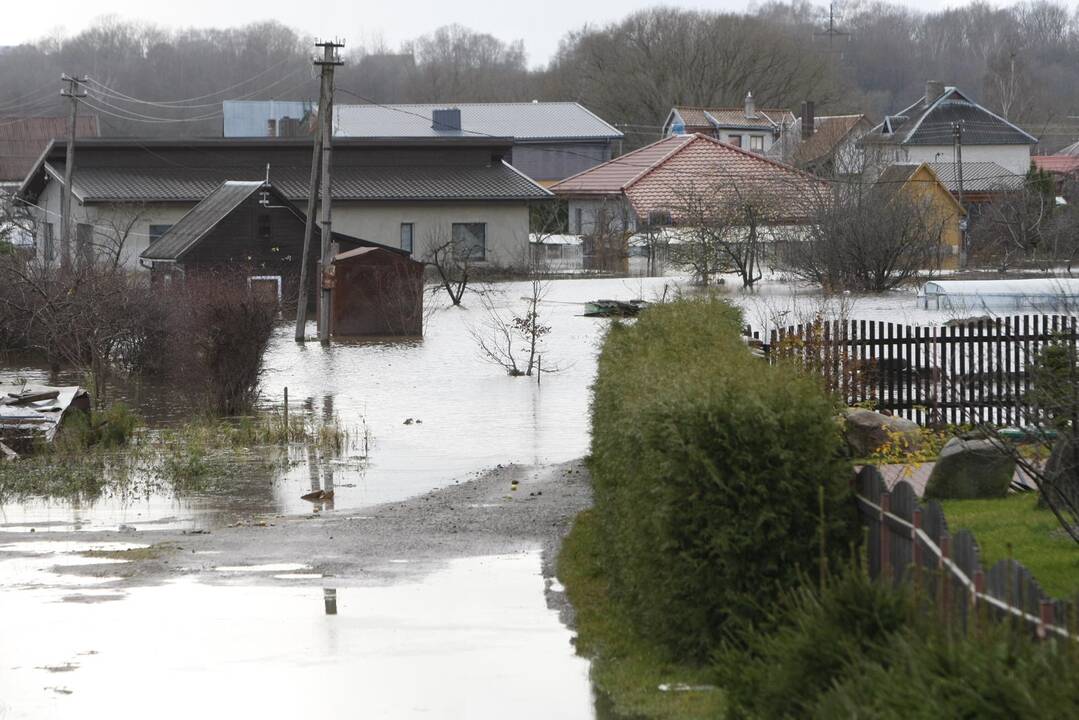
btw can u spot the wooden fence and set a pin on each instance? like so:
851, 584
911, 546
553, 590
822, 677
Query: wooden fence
910, 543
970, 372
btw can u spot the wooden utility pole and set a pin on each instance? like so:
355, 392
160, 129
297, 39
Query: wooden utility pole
330, 60
309, 227
72, 93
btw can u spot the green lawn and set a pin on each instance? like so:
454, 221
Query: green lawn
1035, 535
627, 667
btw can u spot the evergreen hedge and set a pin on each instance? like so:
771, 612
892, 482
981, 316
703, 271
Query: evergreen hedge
708, 467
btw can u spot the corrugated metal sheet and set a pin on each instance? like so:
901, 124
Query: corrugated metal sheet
250, 118
978, 177
165, 183
200, 220
520, 121
22, 140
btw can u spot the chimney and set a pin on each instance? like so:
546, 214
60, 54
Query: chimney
446, 120
751, 111
933, 90
809, 120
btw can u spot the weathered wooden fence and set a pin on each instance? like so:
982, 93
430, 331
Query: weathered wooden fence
975, 371
910, 543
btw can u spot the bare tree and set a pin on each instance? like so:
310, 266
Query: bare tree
1016, 225
512, 340
866, 238
452, 263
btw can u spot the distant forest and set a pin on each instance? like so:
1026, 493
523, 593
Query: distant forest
1021, 61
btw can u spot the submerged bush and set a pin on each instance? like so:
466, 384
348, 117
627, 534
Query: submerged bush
708, 467
110, 428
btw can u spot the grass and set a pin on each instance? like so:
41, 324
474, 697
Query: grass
151, 552
626, 667
1036, 538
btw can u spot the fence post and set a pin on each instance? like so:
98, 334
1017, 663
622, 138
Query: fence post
944, 596
976, 596
885, 536
1045, 618
286, 414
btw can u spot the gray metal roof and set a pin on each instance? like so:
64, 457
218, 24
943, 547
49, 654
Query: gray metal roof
163, 183
978, 177
200, 220
524, 122
931, 124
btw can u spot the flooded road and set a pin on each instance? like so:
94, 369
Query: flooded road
183, 649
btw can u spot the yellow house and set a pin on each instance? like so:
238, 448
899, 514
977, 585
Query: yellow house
922, 183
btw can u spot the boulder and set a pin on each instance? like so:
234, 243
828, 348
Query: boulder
1061, 474
971, 469
865, 431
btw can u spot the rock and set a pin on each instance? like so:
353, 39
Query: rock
127, 528
865, 431
1061, 474
969, 469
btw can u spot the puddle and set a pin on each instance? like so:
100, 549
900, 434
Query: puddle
42, 564
267, 568
489, 647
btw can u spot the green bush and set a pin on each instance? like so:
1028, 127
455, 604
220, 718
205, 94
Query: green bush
708, 466
997, 673
818, 638
110, 428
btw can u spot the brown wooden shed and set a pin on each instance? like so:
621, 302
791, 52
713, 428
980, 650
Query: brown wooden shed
377, 291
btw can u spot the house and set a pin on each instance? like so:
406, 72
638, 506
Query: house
922, 183
248, 228
930, 129
412, 194
825, 145
23, 139
747, 127
660, 184
551, 140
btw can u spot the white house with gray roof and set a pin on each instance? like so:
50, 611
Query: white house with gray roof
925, 131
550, 140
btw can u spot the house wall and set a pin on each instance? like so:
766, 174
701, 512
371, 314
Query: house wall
942, 209
1015, 158
724, 134
589, 214
551, 162
507, 226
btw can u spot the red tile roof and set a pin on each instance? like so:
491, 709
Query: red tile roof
662, 175
22, 140
1061, 164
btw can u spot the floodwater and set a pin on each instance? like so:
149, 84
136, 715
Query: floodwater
489, 648
421, 413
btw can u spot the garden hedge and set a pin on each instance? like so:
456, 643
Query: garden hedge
708, 466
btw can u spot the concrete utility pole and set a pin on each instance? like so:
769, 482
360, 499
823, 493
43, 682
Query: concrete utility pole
309, 226
957, 136
72, 93
330, 60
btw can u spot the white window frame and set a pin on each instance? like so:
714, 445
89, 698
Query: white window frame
756, 143
276, 278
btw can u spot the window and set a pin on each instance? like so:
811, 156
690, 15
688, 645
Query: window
756, 142
554, 252
84, 242
407, 230
470, 240
263, 230
735, 140
578, 219
657, 218
47, 241
156, 231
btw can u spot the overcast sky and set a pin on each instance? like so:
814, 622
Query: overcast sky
540, 25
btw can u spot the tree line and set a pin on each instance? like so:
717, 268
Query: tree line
1021, 61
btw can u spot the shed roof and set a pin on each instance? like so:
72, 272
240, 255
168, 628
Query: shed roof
699, 118
1072, 149
1032, 288
978, 177
1061, 164
200, 220
930, 123
829, 132
522, 121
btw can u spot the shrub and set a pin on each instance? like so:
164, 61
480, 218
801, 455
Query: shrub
110, 428
819, 637
708, 467
998, 672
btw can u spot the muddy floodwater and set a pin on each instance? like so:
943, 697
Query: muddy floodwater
286, 647
420, 412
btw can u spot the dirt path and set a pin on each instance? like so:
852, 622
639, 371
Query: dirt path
482, 516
